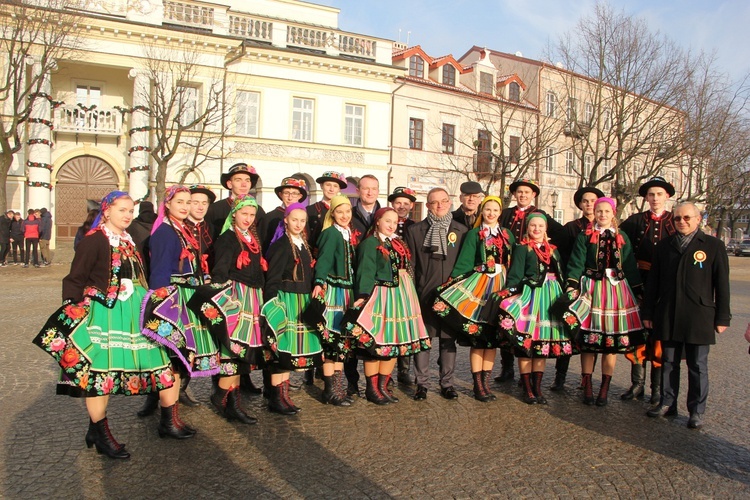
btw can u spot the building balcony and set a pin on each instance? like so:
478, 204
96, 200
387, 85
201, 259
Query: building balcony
96, 121
576, 129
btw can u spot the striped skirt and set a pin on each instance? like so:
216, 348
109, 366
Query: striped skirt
390, 322
525, 319
290, 343
335, 344
168, 321
607, 316
231, 311
101, 351
467, 304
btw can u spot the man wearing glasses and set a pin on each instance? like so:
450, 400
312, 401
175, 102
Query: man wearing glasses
471, 197
646, 230
689, 280
434, 244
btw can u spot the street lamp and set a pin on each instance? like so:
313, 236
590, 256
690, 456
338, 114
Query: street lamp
554, 196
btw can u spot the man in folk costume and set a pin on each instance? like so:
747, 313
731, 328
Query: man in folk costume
290, 191
239, 180
331, 184
471, 196
646, 230
402, 200
434, 244
525, 191
689, 280
585, 199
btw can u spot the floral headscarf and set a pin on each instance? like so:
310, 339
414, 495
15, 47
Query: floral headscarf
171, 192
107, 202
239, 203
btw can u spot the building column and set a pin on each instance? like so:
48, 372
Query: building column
39, 161
139, 150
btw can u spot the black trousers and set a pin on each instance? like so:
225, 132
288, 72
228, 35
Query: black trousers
696, 356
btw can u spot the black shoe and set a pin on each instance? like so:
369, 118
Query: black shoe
404, 379
506, 376
247, 386
187, 399
662, 411
105, 442
695, 421
150, 405
421, 393
448, 392
559, 383
171, 425
353, 390
636, 391
309, 376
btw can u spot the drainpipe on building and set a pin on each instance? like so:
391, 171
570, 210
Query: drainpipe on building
224, 105
390, 149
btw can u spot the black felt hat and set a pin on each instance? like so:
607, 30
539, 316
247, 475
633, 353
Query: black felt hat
578, 196
656, 182
524, 182
471, 187
403, 192
239, 168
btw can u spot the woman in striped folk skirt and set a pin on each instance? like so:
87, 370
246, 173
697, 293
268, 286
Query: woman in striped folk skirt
334, 280
605, 312
291, 343
467, 302
177, 269
230, 305
388, 321
534, 283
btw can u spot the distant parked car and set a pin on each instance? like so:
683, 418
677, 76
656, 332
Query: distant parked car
743, 248
732, 245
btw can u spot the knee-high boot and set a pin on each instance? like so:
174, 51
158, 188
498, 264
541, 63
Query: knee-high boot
588, 390
638, 380
601, 400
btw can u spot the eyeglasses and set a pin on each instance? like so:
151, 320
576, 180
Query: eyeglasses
686, 218
439, 202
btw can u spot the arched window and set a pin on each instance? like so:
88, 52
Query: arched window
416, 66
449, 75
514, 92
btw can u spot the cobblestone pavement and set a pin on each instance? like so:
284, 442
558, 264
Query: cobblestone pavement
433, 448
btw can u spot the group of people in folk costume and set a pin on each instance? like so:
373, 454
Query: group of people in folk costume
226, 288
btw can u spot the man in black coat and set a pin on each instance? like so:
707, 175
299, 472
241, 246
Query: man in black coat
471, 197
432, 267
687, 303
239, 180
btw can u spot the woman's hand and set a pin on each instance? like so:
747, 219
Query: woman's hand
317, 291
358, 303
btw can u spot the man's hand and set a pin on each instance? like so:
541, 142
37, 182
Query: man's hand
648, 324
720, 329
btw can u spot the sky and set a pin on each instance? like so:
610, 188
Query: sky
453, 26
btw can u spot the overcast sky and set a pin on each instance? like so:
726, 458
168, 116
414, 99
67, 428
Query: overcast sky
453, 26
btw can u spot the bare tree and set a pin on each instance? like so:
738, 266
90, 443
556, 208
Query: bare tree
33, 37
621, 118
186, 102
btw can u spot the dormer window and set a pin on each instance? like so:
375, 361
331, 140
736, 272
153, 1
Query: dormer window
486, 83
514, 92
449, 75
416, 67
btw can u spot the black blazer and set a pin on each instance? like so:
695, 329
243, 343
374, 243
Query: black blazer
687, 294
431, 271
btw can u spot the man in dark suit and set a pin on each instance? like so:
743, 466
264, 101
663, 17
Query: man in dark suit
686, 304
434, 244
471, 197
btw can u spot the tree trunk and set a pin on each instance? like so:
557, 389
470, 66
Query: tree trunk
6, 160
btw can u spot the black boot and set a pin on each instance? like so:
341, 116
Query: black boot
372, 392
403, 371
480, 393
219, 400
104, 441
276, 402
186, 396
655, 385
246, 385
233, 409
637, 379
91, 436
309, 376
528, 389
149, 405
561, 372
507, 367
538, 388
328, 392
286, 398
341, 398
486, 383
601, 400
383, 382
267, 387
170, 424
588, 390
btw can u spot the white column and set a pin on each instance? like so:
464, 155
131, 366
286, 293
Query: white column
138, 151
39, 160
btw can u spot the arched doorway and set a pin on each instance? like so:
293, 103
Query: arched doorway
80, 179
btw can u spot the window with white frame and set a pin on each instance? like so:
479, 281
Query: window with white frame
449, 75
551, 104
187, 104
302, 119
88, 95
605, 166
247, 113
485, 83
570, 162
606, 120
589, 113
416, 66
572, 109
416, 130
549, 160
449, 138
588, 164
559, 215
354, 124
